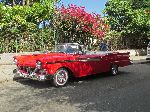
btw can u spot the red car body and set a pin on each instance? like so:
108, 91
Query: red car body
77, 64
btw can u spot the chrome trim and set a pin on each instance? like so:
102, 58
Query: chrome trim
121, 60
131, 62
80, 59
90, 59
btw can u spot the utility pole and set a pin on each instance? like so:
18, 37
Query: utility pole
16, 45
55, 38
54, 24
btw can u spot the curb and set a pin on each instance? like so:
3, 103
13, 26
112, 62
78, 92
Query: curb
141, 62
6, 64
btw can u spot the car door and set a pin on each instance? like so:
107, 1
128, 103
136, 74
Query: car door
93, 64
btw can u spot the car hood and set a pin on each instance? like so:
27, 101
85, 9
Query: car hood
30, 60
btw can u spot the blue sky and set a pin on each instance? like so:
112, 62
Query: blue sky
95, 6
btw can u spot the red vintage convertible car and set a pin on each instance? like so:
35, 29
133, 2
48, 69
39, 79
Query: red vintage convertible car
68, 59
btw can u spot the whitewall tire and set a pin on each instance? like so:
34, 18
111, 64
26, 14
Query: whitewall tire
114, 70
60, 78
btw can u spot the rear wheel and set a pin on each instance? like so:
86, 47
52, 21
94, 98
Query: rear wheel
114, 70
60, 77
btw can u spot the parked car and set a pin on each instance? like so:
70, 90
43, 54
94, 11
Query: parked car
148, 52
68, 59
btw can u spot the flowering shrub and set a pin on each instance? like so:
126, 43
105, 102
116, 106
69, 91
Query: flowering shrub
76, 17
74, 24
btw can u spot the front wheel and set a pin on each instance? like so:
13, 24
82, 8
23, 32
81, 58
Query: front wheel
60, 77
114, 70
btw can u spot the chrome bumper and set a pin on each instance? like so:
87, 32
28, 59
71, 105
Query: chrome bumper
131, 62
148, 57
33, 76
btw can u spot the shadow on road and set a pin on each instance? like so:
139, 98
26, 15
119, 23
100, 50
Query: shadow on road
72, 81
99, 76
34, 83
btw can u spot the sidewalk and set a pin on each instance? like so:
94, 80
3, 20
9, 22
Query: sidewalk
7, 58
6, 73
139, 59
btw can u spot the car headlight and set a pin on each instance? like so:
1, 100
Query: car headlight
15, 61
39, 64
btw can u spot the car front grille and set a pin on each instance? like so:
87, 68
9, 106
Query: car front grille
26, 69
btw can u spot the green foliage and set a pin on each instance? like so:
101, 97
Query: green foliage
19, 30
114, 40
129, 18
140, 4
19, 27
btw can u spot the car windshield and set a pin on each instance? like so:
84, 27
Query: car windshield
67, 48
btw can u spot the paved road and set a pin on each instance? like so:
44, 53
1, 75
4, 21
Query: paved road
127, 92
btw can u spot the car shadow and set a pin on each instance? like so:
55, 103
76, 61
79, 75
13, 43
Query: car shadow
72, 81
35, 83
98, 76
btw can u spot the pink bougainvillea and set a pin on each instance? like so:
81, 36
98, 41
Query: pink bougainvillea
91, 23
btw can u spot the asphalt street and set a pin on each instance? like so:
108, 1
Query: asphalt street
127, 92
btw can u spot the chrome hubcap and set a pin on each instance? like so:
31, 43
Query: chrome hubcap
61, 77
114, 70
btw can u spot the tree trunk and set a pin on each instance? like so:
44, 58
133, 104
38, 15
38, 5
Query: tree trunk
23, 2
13, 3
27, 2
